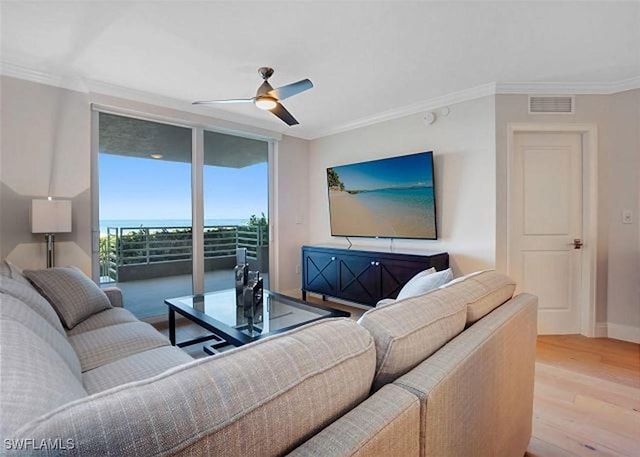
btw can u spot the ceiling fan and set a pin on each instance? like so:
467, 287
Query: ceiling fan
268, 98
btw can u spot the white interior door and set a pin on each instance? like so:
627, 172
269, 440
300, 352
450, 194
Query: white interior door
545, 219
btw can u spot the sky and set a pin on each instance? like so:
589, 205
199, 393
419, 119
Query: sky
394, 172
141, 189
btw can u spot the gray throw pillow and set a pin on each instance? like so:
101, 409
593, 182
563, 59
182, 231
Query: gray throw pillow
73, 295
424, 283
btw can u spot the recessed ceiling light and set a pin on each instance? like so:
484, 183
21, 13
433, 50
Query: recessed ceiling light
155, 155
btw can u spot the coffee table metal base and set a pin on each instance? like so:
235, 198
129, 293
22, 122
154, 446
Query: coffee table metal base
220, 342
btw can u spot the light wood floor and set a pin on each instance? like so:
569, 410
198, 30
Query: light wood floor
587, 397
587, 394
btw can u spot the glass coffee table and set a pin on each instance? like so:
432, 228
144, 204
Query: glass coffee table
231, 324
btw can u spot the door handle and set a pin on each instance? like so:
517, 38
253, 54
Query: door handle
577, 243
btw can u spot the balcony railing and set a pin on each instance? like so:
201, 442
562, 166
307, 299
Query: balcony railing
125, 247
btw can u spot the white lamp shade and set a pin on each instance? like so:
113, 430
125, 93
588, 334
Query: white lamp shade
50, 216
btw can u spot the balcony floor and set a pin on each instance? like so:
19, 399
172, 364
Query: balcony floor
145, 298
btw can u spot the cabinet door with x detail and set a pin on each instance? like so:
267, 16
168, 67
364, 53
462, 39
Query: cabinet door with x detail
320, 272
358, 279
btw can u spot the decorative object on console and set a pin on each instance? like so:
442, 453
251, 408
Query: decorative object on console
50, 216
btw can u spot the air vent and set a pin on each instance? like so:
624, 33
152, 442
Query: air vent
551, 104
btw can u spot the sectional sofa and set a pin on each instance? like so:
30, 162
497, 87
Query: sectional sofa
447, 373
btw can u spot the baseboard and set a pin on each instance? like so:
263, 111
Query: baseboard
623, 332
618, 332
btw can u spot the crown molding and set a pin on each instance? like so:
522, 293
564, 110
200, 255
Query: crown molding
90, 86
627, 84
29, 74
576, 88
572, 88
95, 88
427, 105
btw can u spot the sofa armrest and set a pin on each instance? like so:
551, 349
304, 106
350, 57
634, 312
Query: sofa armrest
387, 423
476, 392
115, 296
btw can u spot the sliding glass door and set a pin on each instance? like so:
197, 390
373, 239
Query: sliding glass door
235, 188
145, 211
165, 190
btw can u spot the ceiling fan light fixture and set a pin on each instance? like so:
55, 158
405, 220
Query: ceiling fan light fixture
266, 103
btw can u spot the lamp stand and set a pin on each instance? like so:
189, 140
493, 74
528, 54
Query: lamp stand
49, 238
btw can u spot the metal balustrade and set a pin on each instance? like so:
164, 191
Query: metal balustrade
125, 246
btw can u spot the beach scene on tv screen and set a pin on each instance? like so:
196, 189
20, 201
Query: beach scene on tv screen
383, 198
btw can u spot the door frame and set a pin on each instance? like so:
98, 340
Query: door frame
588, 281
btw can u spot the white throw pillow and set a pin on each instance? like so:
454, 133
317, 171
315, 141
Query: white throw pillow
417, 284
410, 289
414, 285
425, 283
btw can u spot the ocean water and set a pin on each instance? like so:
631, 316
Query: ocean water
414, 205
139, 223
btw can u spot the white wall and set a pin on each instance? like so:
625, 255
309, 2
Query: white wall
618, 265
292, 224
45, 151
623, 291
464, 160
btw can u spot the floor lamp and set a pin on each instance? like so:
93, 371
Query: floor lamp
49, 217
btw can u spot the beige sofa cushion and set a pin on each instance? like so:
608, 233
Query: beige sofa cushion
12, 271
408, 331
34, 378
25, 292
385, 424
13, 310
108, 344
111, 316
135, 367
264, 399
484, 291
74, 296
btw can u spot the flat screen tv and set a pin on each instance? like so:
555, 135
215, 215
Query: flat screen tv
387, 198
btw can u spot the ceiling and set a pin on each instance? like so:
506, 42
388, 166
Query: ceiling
364, 58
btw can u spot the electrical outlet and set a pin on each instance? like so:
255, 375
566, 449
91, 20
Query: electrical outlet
297, 269
627, 216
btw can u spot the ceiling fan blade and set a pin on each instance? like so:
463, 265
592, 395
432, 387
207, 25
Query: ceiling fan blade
284, 92
232, 100
284, 115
